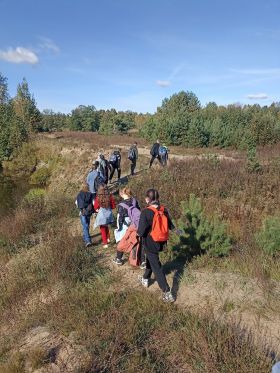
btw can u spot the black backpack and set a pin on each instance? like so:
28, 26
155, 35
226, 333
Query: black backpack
99, 180
131, 154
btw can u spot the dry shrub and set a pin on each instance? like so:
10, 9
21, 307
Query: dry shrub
134, 332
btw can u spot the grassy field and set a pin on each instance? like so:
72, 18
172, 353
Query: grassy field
66, 307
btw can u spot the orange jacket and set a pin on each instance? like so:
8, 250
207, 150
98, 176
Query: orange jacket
129, 240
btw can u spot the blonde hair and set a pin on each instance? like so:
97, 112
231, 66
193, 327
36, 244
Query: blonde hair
85, 187
127, 191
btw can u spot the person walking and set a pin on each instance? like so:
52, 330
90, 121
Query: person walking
133, 156
154, 153
115, 163
103, 205
153, 227
84, 202
94, 178
128, 214
104, 167
163, 155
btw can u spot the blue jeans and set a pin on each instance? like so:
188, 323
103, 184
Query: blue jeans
85, 221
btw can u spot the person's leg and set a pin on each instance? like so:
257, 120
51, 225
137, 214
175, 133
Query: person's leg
85, 220
119, 254
103, 232
148, 270
152, 161
133, 166
108, 233
155, 265
119, 173
112, 173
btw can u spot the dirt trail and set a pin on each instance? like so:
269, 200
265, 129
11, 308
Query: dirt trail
181, 157
231, 297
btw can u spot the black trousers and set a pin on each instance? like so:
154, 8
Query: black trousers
113, 172
132, 167
153, 265
153, 158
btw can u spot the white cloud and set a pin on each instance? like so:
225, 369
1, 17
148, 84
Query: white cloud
48, 44
257, 96
163, 83
19, 55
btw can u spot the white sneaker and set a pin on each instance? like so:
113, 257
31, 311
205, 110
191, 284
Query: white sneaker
105, 246
168, 297
143, 281
143, 265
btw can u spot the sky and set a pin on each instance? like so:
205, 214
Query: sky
131, 54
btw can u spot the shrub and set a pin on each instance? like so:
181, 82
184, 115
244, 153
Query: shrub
41, 176
35, 197
269, 236
200, 234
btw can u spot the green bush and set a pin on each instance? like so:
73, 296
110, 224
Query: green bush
200, 234
269, 236
35, 196
41, 176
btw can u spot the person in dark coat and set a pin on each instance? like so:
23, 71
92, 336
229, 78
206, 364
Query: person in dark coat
133, 156
154, 153
115, 164
152, 248
84, 202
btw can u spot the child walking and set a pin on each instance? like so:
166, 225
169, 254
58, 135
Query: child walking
104, 204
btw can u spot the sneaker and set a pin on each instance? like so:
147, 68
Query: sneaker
168, 297
105, 246
143, 281
88, 244
143, 265
118, 261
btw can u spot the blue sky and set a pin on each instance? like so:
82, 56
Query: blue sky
130, 54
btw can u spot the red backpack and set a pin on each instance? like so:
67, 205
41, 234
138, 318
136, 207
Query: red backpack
160, 229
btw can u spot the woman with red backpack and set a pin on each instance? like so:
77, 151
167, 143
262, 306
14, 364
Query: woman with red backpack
154, 226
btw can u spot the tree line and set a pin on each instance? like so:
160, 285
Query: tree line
180, 120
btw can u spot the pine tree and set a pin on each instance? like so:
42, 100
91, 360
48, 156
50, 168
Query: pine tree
200, 234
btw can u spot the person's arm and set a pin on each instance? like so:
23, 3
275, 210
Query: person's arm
171, 226
144, 225
121, 216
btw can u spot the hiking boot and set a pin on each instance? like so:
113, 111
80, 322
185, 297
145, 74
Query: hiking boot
143, 281
168, 297
143, 265
118, 261
105, 246
88, 244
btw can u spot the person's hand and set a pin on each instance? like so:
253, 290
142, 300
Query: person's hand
179, 232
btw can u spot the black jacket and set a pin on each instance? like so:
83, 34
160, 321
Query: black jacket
84, 202
155, 150
145, 227
123, 212
117, 164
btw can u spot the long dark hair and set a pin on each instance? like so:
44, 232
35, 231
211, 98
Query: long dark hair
103, 195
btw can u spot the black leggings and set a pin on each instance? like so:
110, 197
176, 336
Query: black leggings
153, 158
153, 264
113, 171
132, 167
